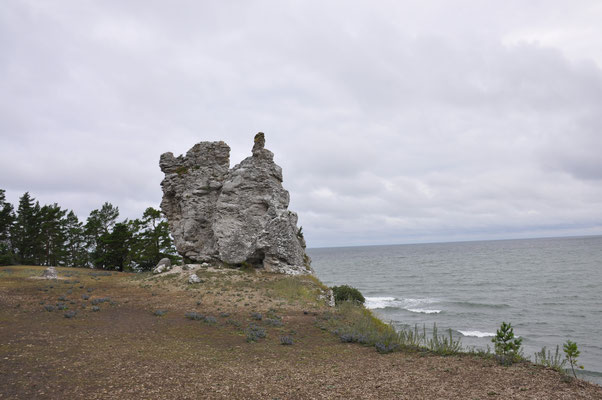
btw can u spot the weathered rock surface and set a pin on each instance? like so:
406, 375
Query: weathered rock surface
162, 266
235, 216
194, 278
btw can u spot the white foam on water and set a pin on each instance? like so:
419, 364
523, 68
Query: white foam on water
381, 302
412, 305
476, 333
423, 311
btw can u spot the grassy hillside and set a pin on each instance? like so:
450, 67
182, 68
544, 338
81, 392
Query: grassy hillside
160, 337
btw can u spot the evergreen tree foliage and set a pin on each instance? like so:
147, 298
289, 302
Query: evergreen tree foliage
25, 235
98, 225
7, 218
507, 346
50, 235
75, 242
116, 245
152, 240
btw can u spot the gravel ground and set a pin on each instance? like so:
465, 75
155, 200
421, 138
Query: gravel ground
124, 351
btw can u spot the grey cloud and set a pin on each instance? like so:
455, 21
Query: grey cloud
392, 121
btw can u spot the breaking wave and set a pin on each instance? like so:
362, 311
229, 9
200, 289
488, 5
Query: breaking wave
478, 334
412, 305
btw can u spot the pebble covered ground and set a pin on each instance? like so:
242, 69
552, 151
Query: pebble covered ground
125, 349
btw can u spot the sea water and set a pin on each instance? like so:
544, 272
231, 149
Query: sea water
549, 289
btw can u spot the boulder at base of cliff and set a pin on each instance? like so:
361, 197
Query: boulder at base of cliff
162, 266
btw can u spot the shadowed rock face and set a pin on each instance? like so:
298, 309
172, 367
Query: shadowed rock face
237, 215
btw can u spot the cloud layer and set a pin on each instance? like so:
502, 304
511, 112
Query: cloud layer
393, 121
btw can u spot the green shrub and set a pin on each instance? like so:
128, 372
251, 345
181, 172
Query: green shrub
507, 347
347, 293
571, 353
254, 333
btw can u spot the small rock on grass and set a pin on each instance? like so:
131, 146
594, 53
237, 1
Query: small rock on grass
162, 266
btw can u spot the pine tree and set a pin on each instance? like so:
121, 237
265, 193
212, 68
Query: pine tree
117, 247
152, 240
98, 226
75, 242
52, 235
25, 235
7, 218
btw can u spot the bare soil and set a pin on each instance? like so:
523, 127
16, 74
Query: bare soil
124, 351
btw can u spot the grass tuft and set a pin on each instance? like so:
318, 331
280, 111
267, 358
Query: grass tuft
547, 359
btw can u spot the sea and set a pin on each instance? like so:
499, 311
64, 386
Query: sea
549, 289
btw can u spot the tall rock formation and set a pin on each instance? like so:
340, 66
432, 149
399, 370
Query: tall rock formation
235, 216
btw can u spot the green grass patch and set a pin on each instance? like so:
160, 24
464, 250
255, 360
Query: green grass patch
301, 289
353, 323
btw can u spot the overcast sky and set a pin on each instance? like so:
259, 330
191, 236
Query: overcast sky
394, 121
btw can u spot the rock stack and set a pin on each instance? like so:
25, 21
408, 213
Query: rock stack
236, 216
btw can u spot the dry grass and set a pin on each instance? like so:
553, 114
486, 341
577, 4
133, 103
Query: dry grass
124, 351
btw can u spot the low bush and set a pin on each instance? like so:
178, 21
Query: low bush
101, 300
256, 316
233, 322
255, 333
347, 293
159, 313
444, 345
547, 359
195, 316
383, 348
354, 337
85, 296
95, 308
70, 314
286, 340
273, 322
210, 320
49, 307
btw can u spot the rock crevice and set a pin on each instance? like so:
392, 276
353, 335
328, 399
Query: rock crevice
235, 216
